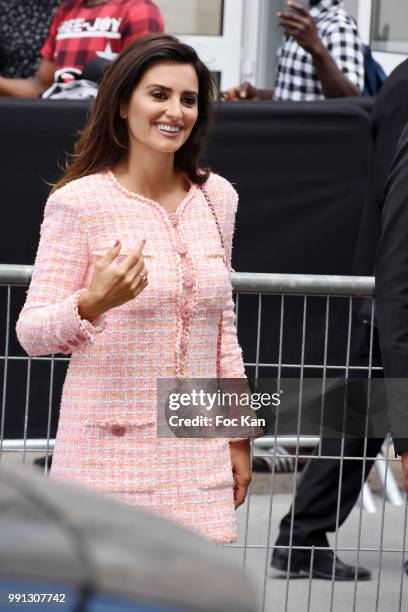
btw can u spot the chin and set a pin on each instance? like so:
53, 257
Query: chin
169, 147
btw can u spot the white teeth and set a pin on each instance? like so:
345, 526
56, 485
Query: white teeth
168, 128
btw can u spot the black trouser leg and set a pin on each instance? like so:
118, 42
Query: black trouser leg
315, 503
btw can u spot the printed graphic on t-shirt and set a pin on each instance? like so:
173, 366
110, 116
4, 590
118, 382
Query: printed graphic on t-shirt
79, 33
106, 27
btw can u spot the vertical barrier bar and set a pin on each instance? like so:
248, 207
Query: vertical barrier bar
309, 591
382, 530
302, 363
360, 518
27, 405
404, 541
237, 311
5, 371
324, 372
50, 396
258, 348
339, 490
273, 471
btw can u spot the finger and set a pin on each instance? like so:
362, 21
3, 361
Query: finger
226, 94
111, 254
133, 258
140, 273
292, 29
293, 20
235, 93
140, 280
298, 7
239, 494
294, 32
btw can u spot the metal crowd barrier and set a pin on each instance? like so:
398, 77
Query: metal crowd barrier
376, 538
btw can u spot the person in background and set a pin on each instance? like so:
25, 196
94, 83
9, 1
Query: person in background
81, 31
321, 56
392, 264
24, 26
316, 501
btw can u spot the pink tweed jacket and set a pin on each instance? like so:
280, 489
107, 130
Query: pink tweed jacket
106, 436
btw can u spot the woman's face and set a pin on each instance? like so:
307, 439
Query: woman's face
163, 107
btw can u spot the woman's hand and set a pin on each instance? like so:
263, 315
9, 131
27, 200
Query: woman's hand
240, 452
113, 285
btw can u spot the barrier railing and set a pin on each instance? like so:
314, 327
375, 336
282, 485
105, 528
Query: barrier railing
301, 325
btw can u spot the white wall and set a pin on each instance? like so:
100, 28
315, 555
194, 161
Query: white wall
394, 14
351, 7
388, 61
191, 16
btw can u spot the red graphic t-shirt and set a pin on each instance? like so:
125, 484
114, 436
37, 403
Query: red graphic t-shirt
79, 33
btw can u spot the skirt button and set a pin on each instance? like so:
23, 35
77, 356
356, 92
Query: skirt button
118, 430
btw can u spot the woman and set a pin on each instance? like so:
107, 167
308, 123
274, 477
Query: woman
132, 277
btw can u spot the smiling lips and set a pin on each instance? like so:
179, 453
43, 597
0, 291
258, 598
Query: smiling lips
168, 130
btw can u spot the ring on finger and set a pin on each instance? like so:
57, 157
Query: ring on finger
143, 276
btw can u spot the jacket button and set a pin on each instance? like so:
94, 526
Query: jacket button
118, 430
186, 312
181, 248
188, 280
173, 218
63, 348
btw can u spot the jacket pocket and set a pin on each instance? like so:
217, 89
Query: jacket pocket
213, 279
213, 467
120, 455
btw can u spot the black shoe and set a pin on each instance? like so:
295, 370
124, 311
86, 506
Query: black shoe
322, 565
406, 566
41, 461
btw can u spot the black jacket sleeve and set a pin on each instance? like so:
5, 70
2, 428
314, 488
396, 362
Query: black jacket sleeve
392, 293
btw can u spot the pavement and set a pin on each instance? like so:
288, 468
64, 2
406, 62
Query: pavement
381, 532
380, 541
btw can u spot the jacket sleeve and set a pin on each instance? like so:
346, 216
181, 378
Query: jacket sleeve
49, 321
231, 361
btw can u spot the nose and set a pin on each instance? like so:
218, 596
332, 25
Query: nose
174, 109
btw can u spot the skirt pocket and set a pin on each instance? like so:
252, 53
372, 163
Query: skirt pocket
213, 467
119, 456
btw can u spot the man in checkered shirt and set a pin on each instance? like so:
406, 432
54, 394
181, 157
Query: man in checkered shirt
320, 57
81, 31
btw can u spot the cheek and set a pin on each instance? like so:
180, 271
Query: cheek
192, 119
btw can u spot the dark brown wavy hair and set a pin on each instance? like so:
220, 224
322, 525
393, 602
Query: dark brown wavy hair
105, 139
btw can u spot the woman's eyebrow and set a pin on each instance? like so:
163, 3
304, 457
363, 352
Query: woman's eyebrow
195, 93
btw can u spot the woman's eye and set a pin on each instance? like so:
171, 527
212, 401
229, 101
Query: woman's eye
189, 101
159, 95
